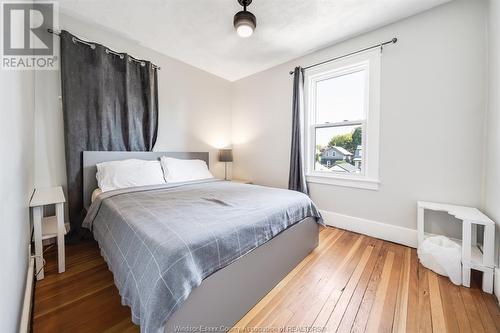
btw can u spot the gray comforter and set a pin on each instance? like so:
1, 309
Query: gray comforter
160, 242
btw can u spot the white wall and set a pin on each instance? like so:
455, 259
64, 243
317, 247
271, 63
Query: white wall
16, 186
432, 113
194, 106
492, 156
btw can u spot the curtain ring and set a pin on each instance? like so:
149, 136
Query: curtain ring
143, 63
73, 39
107, 51
92, 46
122, 56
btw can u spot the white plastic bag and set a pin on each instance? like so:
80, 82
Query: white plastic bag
442, 256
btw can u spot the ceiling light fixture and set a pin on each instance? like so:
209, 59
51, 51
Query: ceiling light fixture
244, 21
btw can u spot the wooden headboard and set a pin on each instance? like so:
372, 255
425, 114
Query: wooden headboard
91, 158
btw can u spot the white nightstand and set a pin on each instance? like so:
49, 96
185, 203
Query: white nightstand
48, 227
242, 181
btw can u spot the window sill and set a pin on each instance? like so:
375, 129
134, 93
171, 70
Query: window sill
356, 182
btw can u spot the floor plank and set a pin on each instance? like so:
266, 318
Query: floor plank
459, 308
375, 317
390, 303
401, 312
349, 283
357, 297
447, 301
424, 314
472, 312
492, 306
437, 312
412, 311
82, 299
325, 298
365, 307
338, 311
484, 314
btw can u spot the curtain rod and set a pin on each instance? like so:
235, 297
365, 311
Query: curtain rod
92, 46
381, 45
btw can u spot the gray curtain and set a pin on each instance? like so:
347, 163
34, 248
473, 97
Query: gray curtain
297, 177
110, 102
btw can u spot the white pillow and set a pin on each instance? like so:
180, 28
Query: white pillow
128, 173
177, 170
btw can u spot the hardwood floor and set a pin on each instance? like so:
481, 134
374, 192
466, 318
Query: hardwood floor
350, 283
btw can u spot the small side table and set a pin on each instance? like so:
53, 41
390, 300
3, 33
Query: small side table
472, 256
48, 227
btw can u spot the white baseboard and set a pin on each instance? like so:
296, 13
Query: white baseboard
496, 284
24, 326
388, 232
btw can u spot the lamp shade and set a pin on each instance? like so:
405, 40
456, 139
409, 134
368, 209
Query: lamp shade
225, 155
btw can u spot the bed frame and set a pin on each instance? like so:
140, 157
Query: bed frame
226, 296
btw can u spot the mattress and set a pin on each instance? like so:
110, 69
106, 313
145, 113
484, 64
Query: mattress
95, 193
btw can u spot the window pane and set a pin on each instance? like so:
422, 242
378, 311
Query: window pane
341, 98
339, 149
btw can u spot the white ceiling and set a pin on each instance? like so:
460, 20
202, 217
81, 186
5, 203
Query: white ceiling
201, 33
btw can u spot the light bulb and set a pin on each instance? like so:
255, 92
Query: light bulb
244, 30
244, 21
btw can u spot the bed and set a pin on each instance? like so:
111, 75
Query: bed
196, 256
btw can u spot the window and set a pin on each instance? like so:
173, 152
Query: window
342, 120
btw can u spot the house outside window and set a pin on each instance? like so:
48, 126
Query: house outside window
342, 121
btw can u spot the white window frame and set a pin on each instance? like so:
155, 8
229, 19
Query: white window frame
369, 177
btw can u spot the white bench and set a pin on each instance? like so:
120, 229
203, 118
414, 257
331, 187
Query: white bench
472, 256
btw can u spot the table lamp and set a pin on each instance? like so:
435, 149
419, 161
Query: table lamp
225, 155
